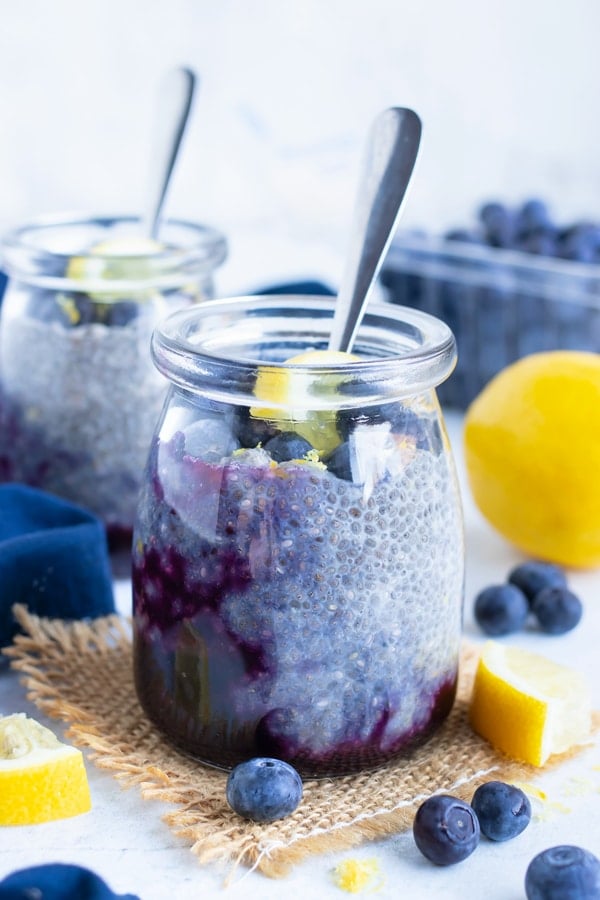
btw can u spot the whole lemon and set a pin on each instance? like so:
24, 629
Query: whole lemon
532, 454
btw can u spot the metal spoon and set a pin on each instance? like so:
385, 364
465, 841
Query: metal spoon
390, 157
175, 95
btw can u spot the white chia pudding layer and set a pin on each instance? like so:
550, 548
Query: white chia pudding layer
80, 405
282, 609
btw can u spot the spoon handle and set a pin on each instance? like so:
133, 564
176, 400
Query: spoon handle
175, 95
390, 157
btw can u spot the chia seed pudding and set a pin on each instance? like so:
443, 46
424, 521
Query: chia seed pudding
306, 606
79, 396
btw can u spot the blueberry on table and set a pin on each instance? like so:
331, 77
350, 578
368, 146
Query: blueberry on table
563, 873
264, 789
532, 577
501, 609
557, 610
445, 829
287, 445
503, 810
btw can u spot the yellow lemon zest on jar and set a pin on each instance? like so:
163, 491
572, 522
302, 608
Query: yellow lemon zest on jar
354, 875
67, 304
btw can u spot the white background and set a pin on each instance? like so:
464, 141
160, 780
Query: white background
509, 94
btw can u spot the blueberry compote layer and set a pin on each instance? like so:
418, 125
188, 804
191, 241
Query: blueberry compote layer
282, 609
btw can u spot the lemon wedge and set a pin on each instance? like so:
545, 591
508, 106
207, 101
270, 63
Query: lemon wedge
528, 706
117, 259
41, 779
295, 391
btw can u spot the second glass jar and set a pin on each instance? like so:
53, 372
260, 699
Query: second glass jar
79, 395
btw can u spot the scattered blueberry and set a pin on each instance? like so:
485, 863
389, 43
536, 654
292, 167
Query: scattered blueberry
287, 445
532, 577
445, 829
557, 610
264, 789
563, 873
501, 609
503, 810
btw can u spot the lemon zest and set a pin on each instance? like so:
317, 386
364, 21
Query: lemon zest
355, 875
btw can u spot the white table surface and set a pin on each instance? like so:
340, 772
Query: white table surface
125, 841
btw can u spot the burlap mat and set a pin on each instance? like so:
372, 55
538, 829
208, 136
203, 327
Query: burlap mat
82, 673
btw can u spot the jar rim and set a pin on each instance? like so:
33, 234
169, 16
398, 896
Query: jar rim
217, 347
39, 251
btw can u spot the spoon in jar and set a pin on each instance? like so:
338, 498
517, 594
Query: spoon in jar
174, 103
391, 152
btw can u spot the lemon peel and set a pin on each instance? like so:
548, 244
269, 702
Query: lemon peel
294, 394
41, 779
532, 456
528, 706
354, 875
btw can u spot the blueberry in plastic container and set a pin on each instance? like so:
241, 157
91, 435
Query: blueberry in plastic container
532, 577
501, 609
446, 829
503, 810
563, 873
264, 789
557, 610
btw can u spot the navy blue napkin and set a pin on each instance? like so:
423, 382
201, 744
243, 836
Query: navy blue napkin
57, 881
299, 287
53, 558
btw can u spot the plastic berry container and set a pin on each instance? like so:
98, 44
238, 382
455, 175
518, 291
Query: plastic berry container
500, 304
79, 395
303, 605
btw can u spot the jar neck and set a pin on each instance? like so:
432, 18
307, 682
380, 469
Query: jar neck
219, 349
95, 254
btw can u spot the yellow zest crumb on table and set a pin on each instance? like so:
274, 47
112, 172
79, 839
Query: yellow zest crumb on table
355, 875
41, 779
528, 706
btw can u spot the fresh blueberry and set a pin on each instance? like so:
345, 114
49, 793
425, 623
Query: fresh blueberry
122, 312
251, 431
446, 829
532, 577
563, 873
462, 236
287, 445
499, 224
557, 610
501, 609
338, 462
539, 242
264, 789
533, 214
503, 810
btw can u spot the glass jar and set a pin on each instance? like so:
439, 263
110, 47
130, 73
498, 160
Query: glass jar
79, 396
298, 551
